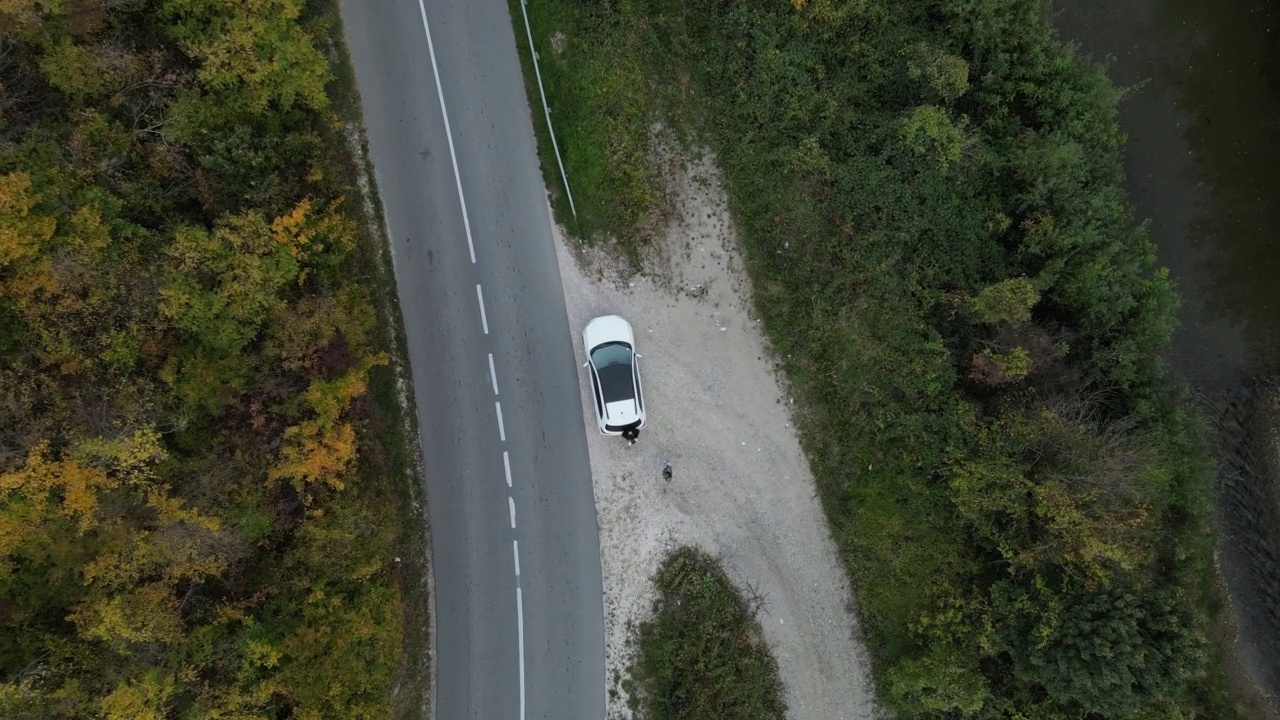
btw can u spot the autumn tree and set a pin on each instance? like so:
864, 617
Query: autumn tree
182, 344
320, 450
220, 284
252, 51
22, 233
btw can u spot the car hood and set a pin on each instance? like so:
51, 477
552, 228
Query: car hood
609, 328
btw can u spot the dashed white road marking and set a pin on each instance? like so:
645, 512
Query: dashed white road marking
484, 319
448, 133
484, 322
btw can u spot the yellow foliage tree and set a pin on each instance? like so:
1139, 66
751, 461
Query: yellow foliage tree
149, 613
130, 458
314, 452
255, 48
42, 481
309, 234
22, 232
143, 698
1088, 510
62, 277
1083, 531
133, 580
830, 15
321, 449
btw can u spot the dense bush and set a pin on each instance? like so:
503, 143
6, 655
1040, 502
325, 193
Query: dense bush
189, 523
931, 202
701, 654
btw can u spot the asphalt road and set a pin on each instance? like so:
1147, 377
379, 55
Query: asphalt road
515, 545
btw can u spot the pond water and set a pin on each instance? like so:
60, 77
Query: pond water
1203, 163
1202, 113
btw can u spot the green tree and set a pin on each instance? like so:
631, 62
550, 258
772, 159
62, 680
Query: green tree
221, 285
944, 75
76, 70
930, 131
940, 683
1009, 300
252, 51
1111, 651
332, 649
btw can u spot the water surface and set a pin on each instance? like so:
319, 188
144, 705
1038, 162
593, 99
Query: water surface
1202, 112
1203, 162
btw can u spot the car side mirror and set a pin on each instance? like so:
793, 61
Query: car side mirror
639, 356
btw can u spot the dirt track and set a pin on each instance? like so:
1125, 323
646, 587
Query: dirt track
741, 487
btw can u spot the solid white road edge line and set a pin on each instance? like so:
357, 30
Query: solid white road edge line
448, 133
520, 626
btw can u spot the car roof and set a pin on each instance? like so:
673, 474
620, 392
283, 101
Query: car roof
617, 379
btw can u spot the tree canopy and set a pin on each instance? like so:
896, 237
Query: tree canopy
931, 204
192, 522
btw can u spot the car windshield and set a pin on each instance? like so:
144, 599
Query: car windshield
613, 364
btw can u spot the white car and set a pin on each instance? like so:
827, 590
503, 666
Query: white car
615, 374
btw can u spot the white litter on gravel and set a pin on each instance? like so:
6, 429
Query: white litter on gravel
740, 487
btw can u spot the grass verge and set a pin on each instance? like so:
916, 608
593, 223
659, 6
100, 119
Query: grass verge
701, 655
392, 461
603, 113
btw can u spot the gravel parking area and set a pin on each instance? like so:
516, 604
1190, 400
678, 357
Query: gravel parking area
740, 487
